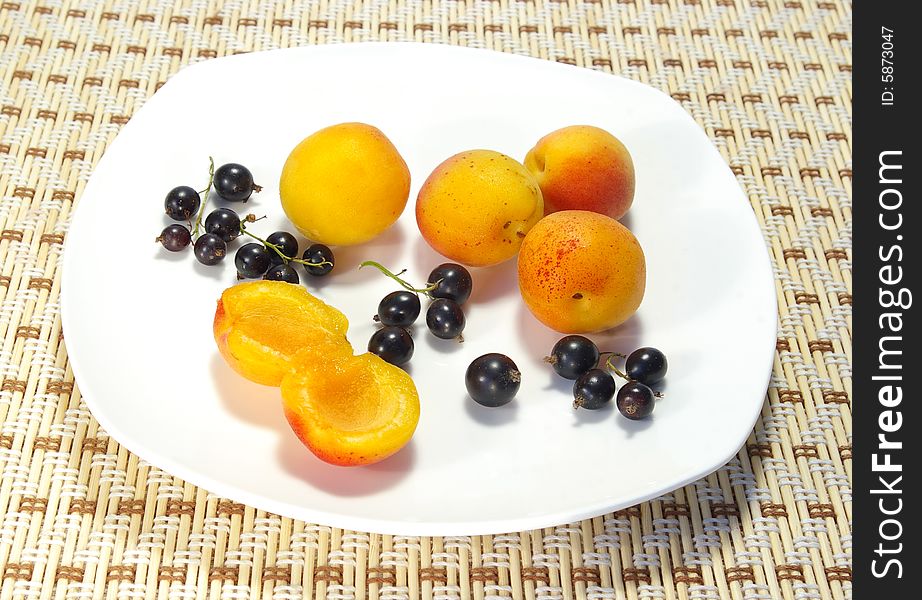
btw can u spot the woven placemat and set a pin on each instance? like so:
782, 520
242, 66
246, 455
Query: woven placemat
769, 80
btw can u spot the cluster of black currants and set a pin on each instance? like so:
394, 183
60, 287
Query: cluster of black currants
268, 258
449, 286
577, 357
232, 183
273, 258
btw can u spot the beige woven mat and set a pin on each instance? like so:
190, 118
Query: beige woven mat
82, 518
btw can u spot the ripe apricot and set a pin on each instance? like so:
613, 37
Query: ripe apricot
476, 207
344, 184
350, 410
260, 325
582, 167
580, 272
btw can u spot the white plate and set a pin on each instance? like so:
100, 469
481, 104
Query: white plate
138, 320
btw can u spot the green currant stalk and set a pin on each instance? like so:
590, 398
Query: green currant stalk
610, 366
403, 283
251, 218
204, 195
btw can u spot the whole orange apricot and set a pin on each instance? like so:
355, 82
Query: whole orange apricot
476, 207
350, 410
581, 272
259, 326
344, 184
582, 167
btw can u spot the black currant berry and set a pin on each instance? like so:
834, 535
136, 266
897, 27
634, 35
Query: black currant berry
646, 365
282, 272
573, 355
399, 309
318, 254
445, 318
454, 282
635, 400
234, 183
492, 380
392, 344
286, 242
210, 249
224, 223
252, 260
593, 389
181, 203
175, 237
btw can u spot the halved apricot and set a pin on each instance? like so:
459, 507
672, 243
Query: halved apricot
350, 410
260, 325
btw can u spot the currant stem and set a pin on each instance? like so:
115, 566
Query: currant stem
250, 219
613, 368
396, 277
204, 195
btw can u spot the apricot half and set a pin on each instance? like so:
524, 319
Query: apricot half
350, 410
260, 325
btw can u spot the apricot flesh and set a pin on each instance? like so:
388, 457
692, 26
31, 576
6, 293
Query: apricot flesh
344, 184
259, 326
350, 410
476, 207
581, 272
582, 167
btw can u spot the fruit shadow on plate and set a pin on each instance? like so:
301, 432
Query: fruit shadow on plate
491, 416
624, 338
385, 249
583, 416
344, 481
439, 345
161, 254
212, 272
633, 428
245, 400
493, 283
490, 283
